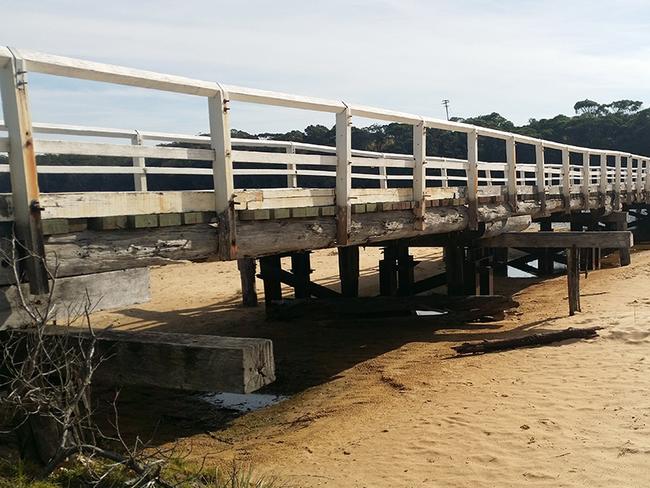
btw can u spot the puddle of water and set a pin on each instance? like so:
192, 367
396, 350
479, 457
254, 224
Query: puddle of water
425, 313
517, 273
242, 402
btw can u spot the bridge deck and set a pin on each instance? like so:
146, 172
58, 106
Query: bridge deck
352, 197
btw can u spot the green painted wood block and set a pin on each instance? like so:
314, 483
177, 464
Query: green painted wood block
55, 226
108, 223
329, 211
142, 221
169, 220
282, 213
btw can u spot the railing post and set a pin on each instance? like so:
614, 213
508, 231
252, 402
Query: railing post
646, 181
23, 173
218, 109
602, 183
511, 171
639, 178
419, 173
343, 175
566, 178
444, 177
617, 182
539, 175
628, 179
383, 178
139, 179
292, 178
586, 177
472, 178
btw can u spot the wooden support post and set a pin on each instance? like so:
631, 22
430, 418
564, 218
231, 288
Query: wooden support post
539, 176
471, 278
566, 179
500, 261
218, 110
454, 257
139, 180
623, 252
388, 272
343, 175
586, 176
486, 279
617, 182
573, 279
593, 252
575, 225
23, 173
246, 268
472, 179
461, 270
419, 173
349, 270
511, 172
545, 261
270, 267
405, 271
292, 178
301, 269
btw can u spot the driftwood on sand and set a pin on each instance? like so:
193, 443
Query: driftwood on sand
526, 341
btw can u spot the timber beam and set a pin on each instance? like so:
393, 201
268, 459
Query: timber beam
599, 239
313, 289
179, 361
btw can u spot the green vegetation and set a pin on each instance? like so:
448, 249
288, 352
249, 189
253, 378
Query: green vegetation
15, 474
620, 125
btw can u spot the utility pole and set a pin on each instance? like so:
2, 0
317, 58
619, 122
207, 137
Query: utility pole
445, 102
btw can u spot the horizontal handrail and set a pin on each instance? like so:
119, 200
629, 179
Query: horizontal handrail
88, 70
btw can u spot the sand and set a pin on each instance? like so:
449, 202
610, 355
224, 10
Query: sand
391, 407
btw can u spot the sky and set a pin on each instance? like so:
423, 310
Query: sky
522, 58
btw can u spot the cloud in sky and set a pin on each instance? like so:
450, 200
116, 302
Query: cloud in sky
521, 58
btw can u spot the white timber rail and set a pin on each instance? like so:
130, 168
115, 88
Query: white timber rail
571, 171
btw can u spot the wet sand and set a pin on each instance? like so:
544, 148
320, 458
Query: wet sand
390, 406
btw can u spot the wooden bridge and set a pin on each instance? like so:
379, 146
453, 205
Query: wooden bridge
362, 197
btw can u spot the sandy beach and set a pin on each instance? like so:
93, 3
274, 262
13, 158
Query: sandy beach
390, 406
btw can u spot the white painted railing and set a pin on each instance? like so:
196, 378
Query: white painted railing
615, 170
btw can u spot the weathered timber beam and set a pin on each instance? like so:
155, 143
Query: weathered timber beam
258, 238
429, 283
96, 251
560, 239
314, 289
179, 361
